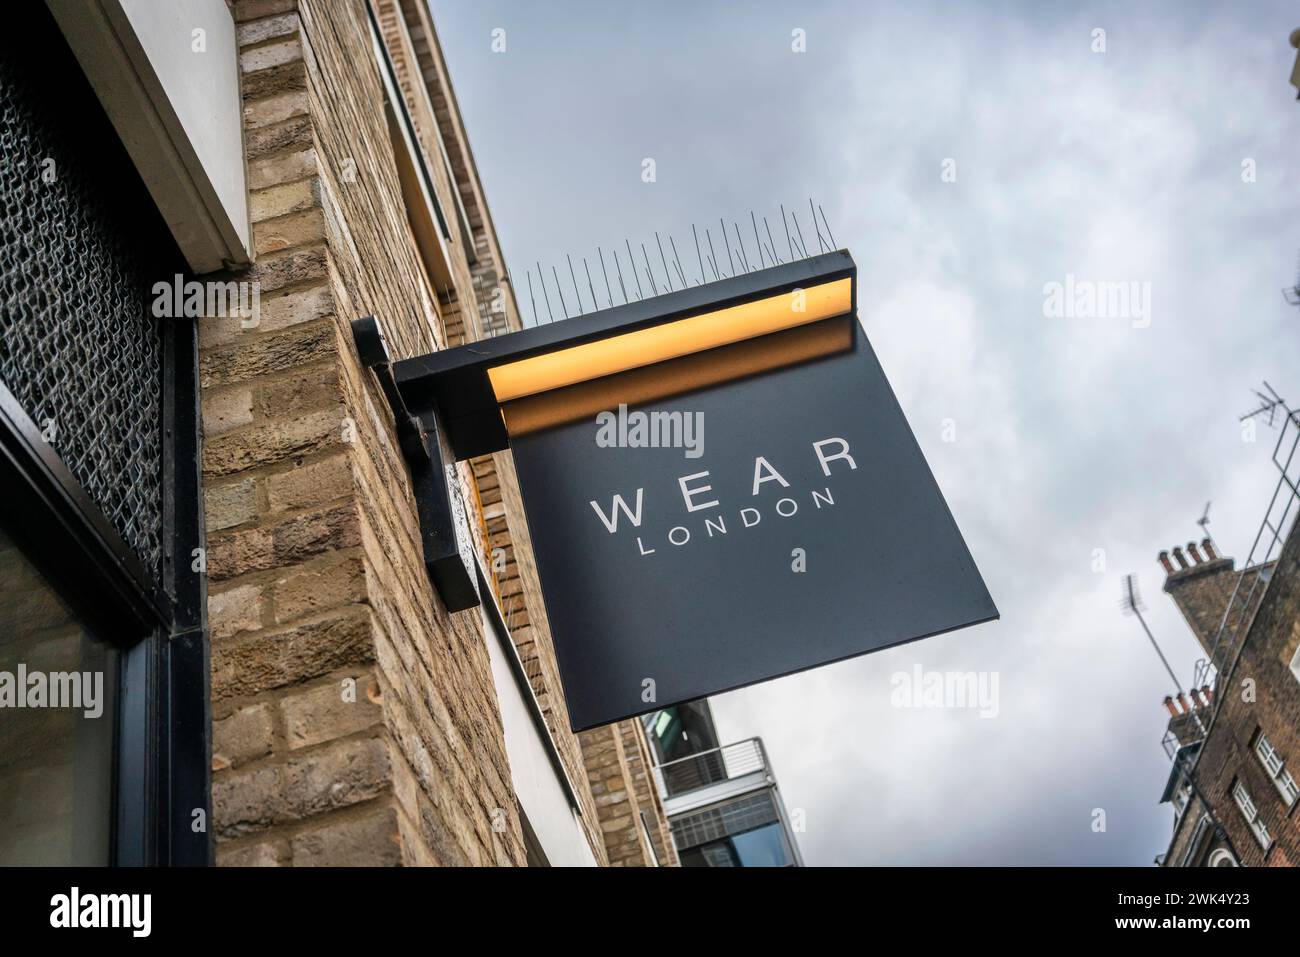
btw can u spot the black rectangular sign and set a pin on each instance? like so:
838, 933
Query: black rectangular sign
786, 519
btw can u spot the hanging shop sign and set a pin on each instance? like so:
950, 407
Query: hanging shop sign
719, 484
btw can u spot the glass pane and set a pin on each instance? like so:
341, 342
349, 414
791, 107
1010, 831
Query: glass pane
716, 854
761, 848
58, 708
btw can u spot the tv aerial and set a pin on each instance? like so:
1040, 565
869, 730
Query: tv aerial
1268, 405
1204, 522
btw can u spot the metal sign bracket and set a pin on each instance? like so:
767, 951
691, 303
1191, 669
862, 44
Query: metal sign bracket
444, 524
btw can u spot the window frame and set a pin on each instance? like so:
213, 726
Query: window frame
1250, 813
161, 755
462, 215
1276, 768
428, 221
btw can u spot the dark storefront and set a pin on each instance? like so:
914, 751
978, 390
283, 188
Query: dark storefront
103, 676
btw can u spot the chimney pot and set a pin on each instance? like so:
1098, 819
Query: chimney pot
1205, 690
1182, 701
1169, 703
1180, 558
1195, 694
1166, 563
1194, 552
1210, 554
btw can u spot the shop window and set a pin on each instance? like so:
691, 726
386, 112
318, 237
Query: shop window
58, 688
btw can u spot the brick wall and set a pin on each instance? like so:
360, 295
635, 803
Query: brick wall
355, 721
632, 820
492, 310
488, 307
611, 784
640, 769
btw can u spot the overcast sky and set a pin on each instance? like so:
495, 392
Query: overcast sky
1071, 434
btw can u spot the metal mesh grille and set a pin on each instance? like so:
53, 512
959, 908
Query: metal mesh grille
79, 348
718, 822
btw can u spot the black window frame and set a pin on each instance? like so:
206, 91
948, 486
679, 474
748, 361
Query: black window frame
162, 750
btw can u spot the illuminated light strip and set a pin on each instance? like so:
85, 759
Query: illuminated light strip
700, 370
631, 350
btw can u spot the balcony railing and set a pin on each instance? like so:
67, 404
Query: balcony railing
727, 763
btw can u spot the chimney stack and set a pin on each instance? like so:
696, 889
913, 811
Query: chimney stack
1166, 563
1202, 591
1169, 703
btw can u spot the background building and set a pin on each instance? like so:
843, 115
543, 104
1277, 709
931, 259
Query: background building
722, 801
1234, 736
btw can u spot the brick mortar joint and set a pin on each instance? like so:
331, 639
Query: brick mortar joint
254, 428
345, 610
274, 696
287, 830
282, 756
